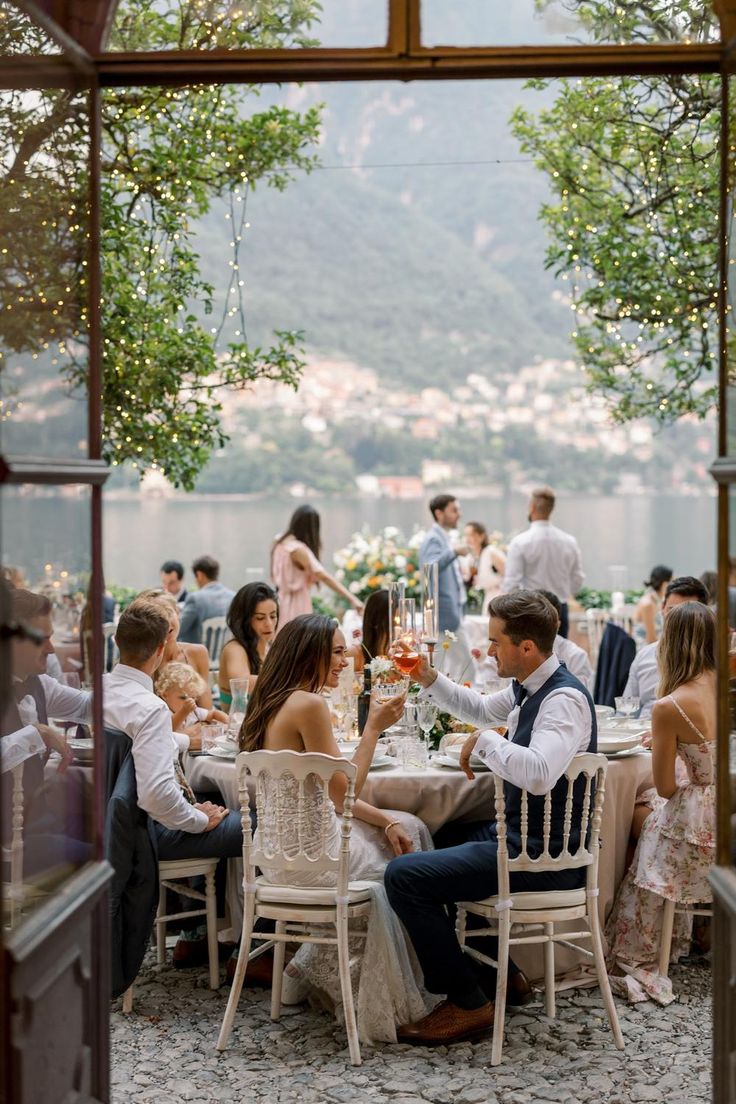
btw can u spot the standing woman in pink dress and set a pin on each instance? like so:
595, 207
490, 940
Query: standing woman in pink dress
295, 566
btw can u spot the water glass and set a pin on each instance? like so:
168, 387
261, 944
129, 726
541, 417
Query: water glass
211, 734
385, 691
627, 705
412, 752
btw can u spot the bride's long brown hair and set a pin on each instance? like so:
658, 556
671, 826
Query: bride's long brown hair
687, 646
298, 659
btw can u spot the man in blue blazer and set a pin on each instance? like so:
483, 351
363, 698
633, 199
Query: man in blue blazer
436, 548
211, 600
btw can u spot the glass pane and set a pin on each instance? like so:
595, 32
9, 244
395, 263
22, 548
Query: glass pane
561, 22
46, 749
44, 221
269, 24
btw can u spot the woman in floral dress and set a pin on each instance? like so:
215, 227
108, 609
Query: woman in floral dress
676, 846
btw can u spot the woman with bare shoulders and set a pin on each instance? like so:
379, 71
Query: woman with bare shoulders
296, 568
676, 847
288, 712
252, 619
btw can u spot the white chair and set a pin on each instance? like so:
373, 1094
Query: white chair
301, 914
668, 923
168, 871
215, 634
545, 908
13, 891
595, 620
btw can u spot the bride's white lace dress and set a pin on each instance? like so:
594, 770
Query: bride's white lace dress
385, 974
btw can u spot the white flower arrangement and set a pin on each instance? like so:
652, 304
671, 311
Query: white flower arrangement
380, 665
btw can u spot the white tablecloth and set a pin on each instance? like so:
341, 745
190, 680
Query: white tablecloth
438, 795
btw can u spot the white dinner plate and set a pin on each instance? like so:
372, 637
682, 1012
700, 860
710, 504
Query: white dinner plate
441, 760
609, 741
381, 762
221, 752
637, 750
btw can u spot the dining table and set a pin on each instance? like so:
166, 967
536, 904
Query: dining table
439, 794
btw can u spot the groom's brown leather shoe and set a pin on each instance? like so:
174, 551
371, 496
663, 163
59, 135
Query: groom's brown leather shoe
447, 1024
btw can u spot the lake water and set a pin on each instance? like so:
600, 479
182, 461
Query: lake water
638, 531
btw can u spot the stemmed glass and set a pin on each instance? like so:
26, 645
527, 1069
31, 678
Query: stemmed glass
339, 705
426, 716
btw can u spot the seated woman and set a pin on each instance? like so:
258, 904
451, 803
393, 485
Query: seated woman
179, 685
375, 631
287, 712
252, 619
676, 845
648, 612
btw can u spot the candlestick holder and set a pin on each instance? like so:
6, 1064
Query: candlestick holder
430, 610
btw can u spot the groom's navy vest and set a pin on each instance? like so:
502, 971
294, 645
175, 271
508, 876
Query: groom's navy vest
535, 807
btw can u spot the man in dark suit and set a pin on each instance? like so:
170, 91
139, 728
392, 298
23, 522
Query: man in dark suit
211, 600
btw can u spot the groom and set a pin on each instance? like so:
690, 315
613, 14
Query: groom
550, 718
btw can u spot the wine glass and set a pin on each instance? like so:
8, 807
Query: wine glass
627, 705
426, 716
339, 706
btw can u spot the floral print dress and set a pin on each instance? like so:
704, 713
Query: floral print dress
672, 860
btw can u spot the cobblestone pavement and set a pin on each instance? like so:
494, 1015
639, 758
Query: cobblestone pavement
164, 1052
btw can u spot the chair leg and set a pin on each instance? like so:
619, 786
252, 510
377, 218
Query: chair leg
461, 920
211, 909
549, 972
665, 942
600, 968
161, 927
128, 1000
343, 958
245, 942
502, 973
279, 952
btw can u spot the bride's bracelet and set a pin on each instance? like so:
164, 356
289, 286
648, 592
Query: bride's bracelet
391, 825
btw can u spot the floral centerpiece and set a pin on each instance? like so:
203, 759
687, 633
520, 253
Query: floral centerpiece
369, 562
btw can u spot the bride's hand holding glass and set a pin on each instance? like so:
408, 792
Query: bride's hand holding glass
385, 711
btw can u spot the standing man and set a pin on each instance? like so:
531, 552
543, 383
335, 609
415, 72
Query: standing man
545, 557
550, 718
211, 600
172, 580
436, 548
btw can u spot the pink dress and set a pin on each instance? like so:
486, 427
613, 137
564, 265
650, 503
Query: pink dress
293, 584
673, 857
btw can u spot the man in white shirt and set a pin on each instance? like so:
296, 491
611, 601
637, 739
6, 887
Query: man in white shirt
184, 828
27, 738
550, 718
643, 681
544, 557
575, 658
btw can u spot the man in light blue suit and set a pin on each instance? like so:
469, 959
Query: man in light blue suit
211, 600
436, 548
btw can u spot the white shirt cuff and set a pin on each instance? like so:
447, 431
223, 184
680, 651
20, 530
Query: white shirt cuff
487, 743
182, 741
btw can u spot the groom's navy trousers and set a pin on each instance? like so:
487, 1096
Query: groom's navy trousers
423, 885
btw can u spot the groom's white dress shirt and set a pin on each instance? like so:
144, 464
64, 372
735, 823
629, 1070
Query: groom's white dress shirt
544, 558
561, 730
63, 703
131, 706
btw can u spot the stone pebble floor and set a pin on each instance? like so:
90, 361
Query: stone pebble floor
165, 1052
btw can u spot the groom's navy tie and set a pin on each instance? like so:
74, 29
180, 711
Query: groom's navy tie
520, 692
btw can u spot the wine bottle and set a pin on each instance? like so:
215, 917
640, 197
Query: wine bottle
364, 699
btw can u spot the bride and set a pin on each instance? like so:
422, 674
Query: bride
288, 712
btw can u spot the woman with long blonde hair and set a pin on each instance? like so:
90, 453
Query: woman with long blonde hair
676, 846
287, 712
